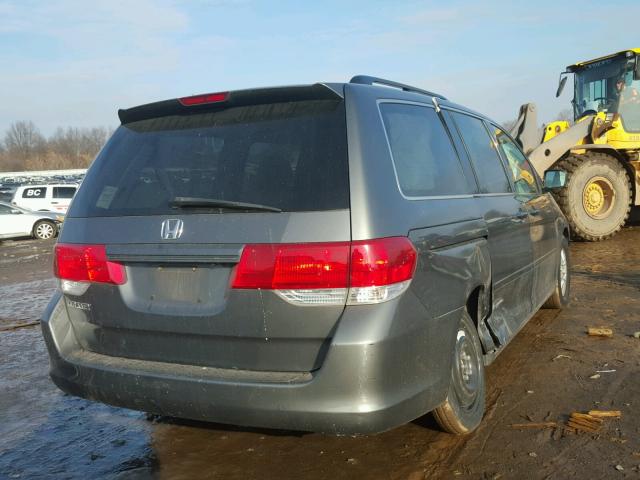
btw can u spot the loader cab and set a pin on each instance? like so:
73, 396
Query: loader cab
609, 85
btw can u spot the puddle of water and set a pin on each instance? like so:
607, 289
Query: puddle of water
45, 433
20, 302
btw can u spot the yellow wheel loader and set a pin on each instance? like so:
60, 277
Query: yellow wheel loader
600, 152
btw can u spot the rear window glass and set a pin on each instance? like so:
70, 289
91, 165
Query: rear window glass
425, 161
291, 156
64, 192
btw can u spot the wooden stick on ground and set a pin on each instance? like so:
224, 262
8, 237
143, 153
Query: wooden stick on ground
600, 332
534, 425
605, 413
17, 326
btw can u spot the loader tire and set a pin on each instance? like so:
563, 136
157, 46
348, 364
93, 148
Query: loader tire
596, 198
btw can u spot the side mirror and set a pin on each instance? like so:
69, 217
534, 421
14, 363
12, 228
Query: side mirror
554, 179
563, 82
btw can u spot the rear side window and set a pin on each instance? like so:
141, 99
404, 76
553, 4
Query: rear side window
38, 192
64, 192
482, 151
291, 156
425, 161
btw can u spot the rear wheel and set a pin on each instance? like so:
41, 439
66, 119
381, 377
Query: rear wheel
560, 296
44, 230
597, 196
464, 406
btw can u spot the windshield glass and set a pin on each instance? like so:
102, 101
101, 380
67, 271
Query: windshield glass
290, 156
608, 86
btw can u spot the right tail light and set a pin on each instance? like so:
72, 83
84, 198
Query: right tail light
333, 273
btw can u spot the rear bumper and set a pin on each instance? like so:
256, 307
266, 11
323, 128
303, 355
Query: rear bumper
365, 385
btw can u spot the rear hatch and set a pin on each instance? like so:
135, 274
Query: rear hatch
181, 193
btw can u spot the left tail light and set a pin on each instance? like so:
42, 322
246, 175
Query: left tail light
77, 266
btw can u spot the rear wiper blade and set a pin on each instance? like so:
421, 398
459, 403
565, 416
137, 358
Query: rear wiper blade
195, 202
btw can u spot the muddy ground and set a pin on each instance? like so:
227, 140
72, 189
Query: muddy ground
548, 371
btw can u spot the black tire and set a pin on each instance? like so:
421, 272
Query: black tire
560, 296
44, 230
463, 409
582, 171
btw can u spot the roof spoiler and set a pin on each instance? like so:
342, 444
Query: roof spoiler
257, 96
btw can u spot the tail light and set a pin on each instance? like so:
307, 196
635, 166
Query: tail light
77, 266
362, 272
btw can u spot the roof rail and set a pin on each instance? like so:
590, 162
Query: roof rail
367, 80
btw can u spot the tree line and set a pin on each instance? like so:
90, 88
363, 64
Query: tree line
23, 147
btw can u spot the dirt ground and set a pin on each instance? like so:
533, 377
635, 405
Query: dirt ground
548, 371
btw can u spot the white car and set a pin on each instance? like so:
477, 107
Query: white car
20, 222
52, 198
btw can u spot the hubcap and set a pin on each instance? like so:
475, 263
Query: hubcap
564, 274
44, 231
466, 372
598, 197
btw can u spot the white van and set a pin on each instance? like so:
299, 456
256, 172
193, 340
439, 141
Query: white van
52, 198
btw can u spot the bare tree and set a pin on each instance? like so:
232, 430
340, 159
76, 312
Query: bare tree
8, 163
93, 139
23, 140
65, 142
26, 149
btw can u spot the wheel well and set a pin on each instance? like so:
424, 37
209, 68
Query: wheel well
473, 302
43, 220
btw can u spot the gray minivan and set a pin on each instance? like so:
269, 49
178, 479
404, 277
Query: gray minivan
339, 258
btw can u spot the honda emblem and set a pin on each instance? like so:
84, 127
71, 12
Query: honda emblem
171, 229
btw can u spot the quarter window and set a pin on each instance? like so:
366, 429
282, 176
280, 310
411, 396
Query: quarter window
425, 161
482, 151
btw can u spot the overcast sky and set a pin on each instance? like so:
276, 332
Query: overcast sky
74, 63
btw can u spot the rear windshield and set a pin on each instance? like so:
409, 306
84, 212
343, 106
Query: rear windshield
291, 156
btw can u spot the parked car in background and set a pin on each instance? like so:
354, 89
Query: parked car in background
53, 198
340, 257
19, 222
7, 192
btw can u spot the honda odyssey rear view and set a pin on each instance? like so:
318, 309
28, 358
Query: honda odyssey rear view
341, 258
